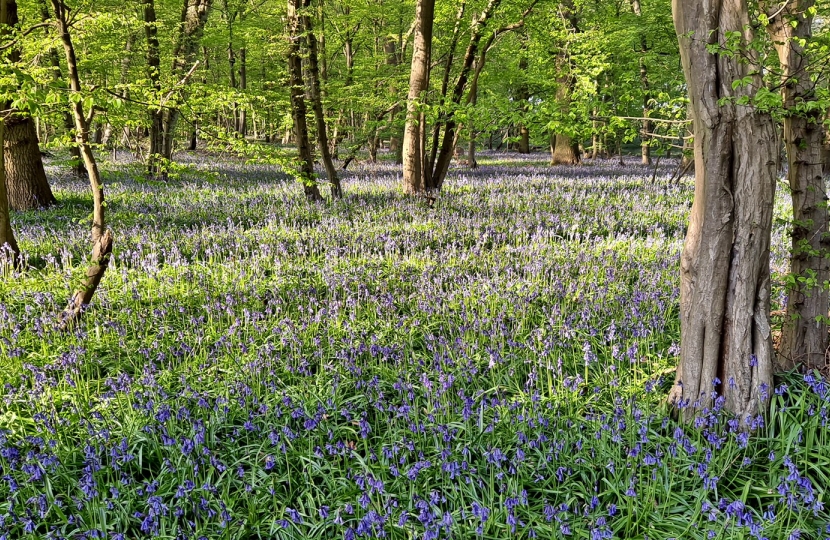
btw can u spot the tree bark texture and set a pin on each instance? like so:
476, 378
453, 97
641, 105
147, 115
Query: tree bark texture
317, 103
298, 106
26, 180
101, 236
155, 160
7, 239
726, 346
442, 164
804, 338
413, 144
563, 150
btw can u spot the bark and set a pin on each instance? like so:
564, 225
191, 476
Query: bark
804, 338
413, 147
317, 103
155, 161
242, 123
7, 240
445, 83
298, 106
101, 237
26, 180
448, 144
726, 346
57, 76
563, 150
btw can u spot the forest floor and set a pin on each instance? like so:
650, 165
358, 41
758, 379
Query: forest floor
256, 366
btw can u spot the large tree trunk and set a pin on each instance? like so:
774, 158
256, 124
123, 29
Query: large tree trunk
26, 180
25, 175
563, 150
7, 240
317, 104
725, 343
804, 338
298, 107
413, 144
101, 236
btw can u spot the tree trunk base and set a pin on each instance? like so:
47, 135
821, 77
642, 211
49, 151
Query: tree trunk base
100, 261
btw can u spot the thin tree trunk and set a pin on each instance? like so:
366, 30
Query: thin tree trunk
101, 236
155, 160
523, 97
645, 147
242, 126
804, 338
298, 106
413, 150
57, 76
447, 146
445, 83
193, 20
317, 104
391, 50
725, 341
26, 180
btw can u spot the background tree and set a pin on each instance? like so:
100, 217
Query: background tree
26, 180
804, 338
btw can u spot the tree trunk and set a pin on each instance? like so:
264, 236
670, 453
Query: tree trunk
101, 236
317, 103
25, 176
442, 164
242, 125
7, 240
155, 162
804, 338
26, 180
164, 118
413, 148
563, 151
57, 76
391, 50
305, 173
523, 96
725, 343
645, 137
